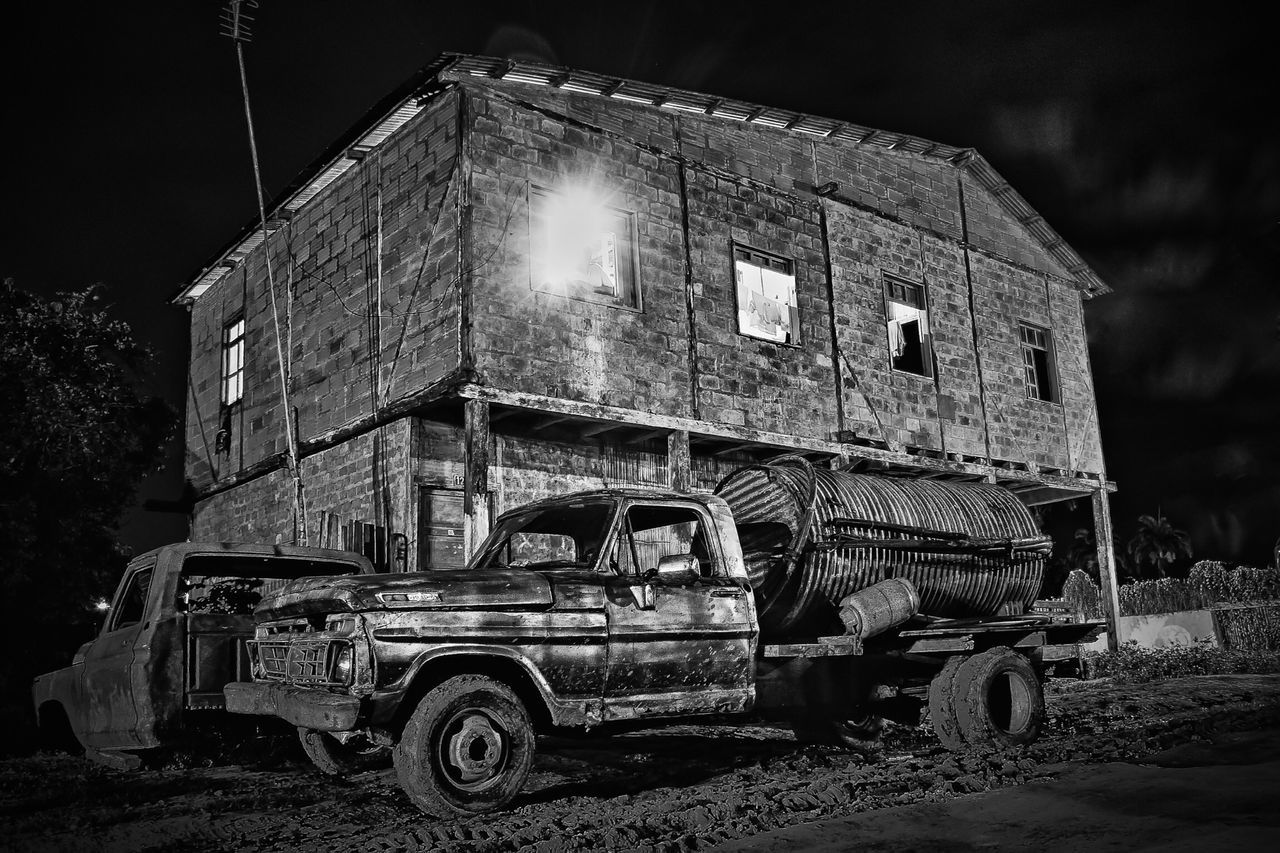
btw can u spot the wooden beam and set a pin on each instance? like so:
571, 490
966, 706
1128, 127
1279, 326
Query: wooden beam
475, 495
1104, 536
679, 461
600, 428
648, 435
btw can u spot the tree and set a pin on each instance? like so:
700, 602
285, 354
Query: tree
1157, 543
76, 438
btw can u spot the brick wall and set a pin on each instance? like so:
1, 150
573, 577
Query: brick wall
329, 255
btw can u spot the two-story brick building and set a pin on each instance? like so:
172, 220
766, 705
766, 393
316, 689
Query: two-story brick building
515, 279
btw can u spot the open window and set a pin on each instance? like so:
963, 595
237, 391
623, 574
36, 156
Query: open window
133, 601
556, 537
651, 532
582, 247
1039, 377
907, 321
766, 286
233, 584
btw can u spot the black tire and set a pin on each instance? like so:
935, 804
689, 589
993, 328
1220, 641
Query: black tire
942, 705
999, 701
466, 749
332, 757
855, 733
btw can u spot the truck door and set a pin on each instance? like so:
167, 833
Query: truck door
112, 718
674, 648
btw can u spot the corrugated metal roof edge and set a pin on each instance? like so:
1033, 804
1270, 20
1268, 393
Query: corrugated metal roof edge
495, 68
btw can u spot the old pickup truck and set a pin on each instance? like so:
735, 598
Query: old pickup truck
827, 598
173, 636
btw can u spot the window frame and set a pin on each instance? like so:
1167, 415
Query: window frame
792, 267
620, 529
225, 375
926, 343
631, 263
1051, 381
113, 622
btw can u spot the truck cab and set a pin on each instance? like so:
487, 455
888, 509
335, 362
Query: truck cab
172, 636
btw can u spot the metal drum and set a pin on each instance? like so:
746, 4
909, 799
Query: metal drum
812, 536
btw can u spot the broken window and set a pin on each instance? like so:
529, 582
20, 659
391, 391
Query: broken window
766, 296
555, 537
907, 319
583, 248
1037, 363
233, 362
650, 533
133, 602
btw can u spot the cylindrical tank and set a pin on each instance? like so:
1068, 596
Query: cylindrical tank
812, 536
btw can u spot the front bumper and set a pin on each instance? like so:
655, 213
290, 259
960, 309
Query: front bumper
302, 706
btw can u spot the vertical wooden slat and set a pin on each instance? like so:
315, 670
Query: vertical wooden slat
679, 465
475, 497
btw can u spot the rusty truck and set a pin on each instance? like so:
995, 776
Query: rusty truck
826, 598
172, 636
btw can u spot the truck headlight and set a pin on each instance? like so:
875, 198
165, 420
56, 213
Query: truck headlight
340, 672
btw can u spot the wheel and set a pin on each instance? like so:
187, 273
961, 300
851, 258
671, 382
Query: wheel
855, 733
466, 748
942, 705
332, 757
999, 701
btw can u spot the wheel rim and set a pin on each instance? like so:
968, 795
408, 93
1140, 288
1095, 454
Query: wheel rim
1009, 703
474, 749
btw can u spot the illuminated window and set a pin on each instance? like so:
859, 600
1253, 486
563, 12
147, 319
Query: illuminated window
766, 296
907, 319
1037, 363
583, 248
233, 362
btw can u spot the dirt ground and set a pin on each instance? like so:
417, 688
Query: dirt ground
672, 789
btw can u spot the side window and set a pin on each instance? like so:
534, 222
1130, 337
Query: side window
766, 287
583, 248
907, 319
133, 603
1037, 363
650, 533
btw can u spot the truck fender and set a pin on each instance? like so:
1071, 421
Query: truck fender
508, 665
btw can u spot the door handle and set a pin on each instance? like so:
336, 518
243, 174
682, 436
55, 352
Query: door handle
728, 593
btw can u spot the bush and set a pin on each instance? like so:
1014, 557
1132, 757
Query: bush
1208, 583
1132, 663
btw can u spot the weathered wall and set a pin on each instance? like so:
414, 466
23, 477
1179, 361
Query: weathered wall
395, 210
894, 213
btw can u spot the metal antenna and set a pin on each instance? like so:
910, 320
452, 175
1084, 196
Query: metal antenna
235, 25
236, 22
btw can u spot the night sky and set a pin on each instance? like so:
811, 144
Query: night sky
1145, 134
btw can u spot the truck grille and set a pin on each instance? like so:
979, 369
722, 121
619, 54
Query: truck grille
297, 662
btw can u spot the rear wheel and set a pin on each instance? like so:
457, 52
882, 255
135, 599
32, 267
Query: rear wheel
466, 748
942, 705
333, 757
999, 699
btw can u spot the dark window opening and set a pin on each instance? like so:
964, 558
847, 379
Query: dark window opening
1037, 363
907, 322
133, 603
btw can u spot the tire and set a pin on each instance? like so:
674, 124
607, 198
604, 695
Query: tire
942, 705
855, 733
332, 757
466, 749
999, 701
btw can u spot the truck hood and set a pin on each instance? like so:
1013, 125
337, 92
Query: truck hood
480, 588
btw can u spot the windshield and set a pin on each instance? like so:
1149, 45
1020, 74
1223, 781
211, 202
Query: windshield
559, 537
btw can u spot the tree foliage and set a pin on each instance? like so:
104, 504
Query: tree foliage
76, 438
1157, 544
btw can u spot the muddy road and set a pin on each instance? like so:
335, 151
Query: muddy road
672, 789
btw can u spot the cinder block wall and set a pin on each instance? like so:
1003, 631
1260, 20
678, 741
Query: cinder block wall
403, 195
894, 213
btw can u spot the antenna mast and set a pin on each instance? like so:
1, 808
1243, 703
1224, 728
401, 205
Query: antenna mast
236, 25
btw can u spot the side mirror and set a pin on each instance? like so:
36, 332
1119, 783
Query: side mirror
678, 570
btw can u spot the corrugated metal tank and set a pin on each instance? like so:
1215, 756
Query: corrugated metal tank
811, 536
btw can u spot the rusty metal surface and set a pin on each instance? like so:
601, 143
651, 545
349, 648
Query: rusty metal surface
868, 528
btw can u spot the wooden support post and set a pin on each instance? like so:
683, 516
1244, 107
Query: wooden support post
679, 463
475, 495
1103, 536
